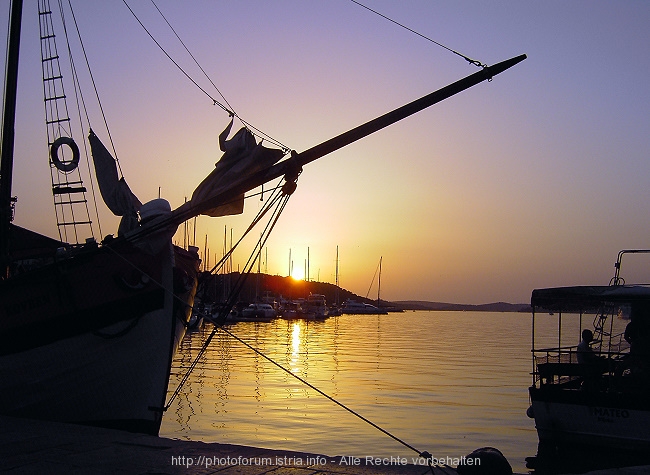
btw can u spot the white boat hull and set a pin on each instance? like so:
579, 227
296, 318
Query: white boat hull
591, 423
111, 376
118, 382
363, 311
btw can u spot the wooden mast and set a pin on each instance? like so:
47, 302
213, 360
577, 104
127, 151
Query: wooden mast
8, 130
403, 112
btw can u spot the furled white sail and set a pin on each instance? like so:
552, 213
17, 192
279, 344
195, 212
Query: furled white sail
242, 157
116, 193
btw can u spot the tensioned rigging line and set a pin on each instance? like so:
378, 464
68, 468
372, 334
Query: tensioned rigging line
466, 58
280, 208
228, 109
92, 80
193, 58
234, 293
373, 279
281, 198
227, 255
216, 102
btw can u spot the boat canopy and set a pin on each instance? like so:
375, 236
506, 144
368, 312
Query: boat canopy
587, 298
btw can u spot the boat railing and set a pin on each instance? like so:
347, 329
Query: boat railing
618, 344
549, 362
560, 365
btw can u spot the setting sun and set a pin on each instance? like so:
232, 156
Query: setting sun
297, 273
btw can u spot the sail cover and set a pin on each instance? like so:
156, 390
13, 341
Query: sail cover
242, 157
116, 193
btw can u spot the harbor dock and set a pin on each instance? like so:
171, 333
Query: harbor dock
30, 446
40, 447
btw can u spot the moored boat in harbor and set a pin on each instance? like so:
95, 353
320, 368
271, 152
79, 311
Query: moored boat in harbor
88, 329
256, 312
315, 307
292, 310
593, 395
354, 307
109, 313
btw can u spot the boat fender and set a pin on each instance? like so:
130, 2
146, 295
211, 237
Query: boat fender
530, 413
487, 461
134, 282
54, 154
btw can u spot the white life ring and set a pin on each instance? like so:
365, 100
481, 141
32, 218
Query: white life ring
54, 154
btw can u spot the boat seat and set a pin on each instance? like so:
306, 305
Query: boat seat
548, 371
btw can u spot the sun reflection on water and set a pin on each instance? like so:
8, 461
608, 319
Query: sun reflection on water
295, 347
414, 373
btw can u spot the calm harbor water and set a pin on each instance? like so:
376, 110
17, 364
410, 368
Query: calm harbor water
444, 382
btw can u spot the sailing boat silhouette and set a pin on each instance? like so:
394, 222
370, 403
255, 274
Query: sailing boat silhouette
88, 330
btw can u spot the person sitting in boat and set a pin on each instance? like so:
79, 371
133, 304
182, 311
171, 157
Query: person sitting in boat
637, 335
593, 365
586, 354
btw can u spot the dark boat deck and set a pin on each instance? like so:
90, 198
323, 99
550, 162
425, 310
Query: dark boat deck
30, 446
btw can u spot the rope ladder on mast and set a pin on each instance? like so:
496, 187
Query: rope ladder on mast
68, 190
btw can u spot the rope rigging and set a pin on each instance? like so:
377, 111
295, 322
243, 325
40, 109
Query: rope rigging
194, 59
279, 201
272, 200
94, 84
274, 205
218, 326
373, 279
466, 58
81, 103
227, 107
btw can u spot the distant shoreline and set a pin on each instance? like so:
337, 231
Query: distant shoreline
274, 286
442, 306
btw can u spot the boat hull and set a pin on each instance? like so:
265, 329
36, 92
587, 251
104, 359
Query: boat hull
568, 419
363, 311
104, 363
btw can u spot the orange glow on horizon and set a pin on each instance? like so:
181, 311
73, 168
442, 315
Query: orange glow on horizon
297, 273
466, 204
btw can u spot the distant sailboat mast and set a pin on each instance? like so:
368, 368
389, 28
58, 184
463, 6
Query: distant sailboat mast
379, 282
337, 276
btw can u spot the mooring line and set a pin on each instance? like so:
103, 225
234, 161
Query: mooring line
322, 393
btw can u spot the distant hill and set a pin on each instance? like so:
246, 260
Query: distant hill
260, 285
